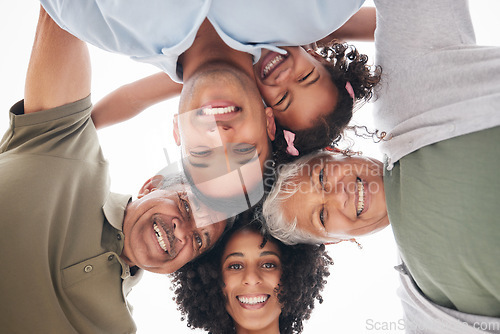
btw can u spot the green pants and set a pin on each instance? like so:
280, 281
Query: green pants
443, 203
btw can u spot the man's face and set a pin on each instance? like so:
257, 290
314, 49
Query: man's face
223, 126
165, 229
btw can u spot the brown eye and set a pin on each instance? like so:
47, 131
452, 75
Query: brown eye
184, 205
322, 217
321, 178
198, 240
235, 266
269, 265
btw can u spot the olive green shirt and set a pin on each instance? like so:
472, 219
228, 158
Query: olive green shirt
60, 228
443, 205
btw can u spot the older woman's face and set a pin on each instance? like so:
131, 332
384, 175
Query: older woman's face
339, 197
251, 275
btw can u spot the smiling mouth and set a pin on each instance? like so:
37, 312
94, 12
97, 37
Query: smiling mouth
160, 238
218, 111
268, 68
211, 111
253, 302
360, 206
165, 238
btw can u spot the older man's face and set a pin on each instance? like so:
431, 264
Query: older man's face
165, 229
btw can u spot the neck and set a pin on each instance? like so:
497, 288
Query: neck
273, 328
208, 48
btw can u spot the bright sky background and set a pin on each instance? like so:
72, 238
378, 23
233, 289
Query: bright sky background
361, 291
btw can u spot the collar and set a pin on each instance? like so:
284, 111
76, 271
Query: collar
114, 209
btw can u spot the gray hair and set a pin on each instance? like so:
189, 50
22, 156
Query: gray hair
284, 188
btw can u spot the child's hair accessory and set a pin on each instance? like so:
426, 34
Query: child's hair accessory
290, 137
349, 89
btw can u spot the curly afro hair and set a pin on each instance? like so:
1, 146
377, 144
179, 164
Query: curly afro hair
198, 285
344, 64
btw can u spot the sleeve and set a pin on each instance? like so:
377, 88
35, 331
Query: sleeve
412, 27
66, 131
113, 26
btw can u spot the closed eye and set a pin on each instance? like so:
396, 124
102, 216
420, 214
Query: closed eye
304, 78
200, 151
281, 100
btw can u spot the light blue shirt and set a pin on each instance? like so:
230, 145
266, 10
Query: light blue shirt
158, 31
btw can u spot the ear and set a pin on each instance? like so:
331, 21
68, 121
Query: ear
271, 125
150, 185
177, 136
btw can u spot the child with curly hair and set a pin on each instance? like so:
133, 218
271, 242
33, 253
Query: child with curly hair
250, 281
313, 94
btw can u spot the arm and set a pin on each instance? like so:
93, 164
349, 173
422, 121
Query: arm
59, 68
360, 27
129, 100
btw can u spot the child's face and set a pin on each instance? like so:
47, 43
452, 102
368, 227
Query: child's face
297, 86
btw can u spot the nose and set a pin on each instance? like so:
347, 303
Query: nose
180, 230
283, 76
251, 277
338, 195
226, 132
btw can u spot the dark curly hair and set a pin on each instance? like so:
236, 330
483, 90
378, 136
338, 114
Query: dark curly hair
198, 285
344, 64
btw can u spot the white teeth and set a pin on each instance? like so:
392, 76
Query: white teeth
218, 111
159, 237
271, 64
252, 300
361, 197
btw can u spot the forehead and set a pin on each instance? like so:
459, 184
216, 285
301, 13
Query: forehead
248, 243
213, 230
312, 103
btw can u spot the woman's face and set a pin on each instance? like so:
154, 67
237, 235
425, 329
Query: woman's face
339, 197
297, 86
251, 274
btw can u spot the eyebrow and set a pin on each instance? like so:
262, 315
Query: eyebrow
195, 164
312, 183
208, 241
265, 253
313, 81
239, 254
244, 162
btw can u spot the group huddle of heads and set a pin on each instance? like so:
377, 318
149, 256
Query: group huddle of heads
265, 264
